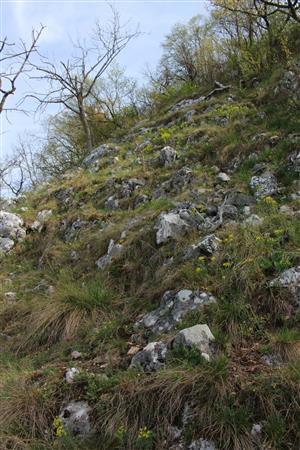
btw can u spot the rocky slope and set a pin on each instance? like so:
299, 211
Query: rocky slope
150, 299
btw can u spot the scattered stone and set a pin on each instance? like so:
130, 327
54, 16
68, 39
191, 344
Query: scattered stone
187, 102
98, 153
175, 184
10, 296
167, 156
170, 226
253, 221
272, 360
202, 444
290, 279
174, 305
74, 228
239, 199
76, 355
70, 375
294, 161
198, 336
285, 209
256, 430
207, 246
229, 212
74, 255
264, 185
114, 250
295, 196
129, 186
223, 177
111, 203
6, 244
151, 358
141, 200
75, 418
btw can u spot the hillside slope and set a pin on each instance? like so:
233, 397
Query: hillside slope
150, 299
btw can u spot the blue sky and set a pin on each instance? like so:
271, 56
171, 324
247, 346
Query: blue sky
66, 19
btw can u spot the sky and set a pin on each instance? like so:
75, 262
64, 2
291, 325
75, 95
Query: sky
66, 19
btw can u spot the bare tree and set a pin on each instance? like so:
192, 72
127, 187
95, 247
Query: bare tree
14, 61
72, 82
21, 171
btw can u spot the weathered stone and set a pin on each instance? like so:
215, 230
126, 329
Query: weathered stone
70, 374
111, 203
76, 355
207, 246
74, 228
173, 307
151, 358
167, 156
170, 226
229, 212
6, 244
75, 418
141, 200
253, 221
176, 183
239, 199
98, 153
41, 218
114, 250
10, 296
198, 336
290, 279
202, 444
129, 186
294, 161
223, 177
264, 185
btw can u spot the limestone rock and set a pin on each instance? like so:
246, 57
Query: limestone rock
290, 279
111, 203
202, 444
170, 226
114, 250
253, 220
207, 246
239, 199
98, 153
173, 307
75, 418
167, 156
198, 336
70, 374
223, 177
151, 358
11, 230
264, 185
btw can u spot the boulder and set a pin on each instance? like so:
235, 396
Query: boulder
129, 186
199, 337
264, 185
70, 374
75, 418
11, 230
223, 177
290, 279
239, 199
167, 156
113, 251
294, 161
98, 153
151, 358
170, 226
207, 246
111, 203
174, 305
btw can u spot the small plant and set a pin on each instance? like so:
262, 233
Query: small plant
144, 439
121, 436
59, 427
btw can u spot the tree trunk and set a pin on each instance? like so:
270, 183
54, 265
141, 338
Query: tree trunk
86, 127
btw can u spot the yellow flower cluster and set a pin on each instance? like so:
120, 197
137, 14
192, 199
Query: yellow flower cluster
270, 201
144, 433
228, 239
58, 427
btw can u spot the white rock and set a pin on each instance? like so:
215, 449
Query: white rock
114, 250
223, 177
70, 374
253, 220
170, 226
198, 336
75, 418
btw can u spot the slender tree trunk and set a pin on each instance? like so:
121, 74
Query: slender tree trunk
86, 128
